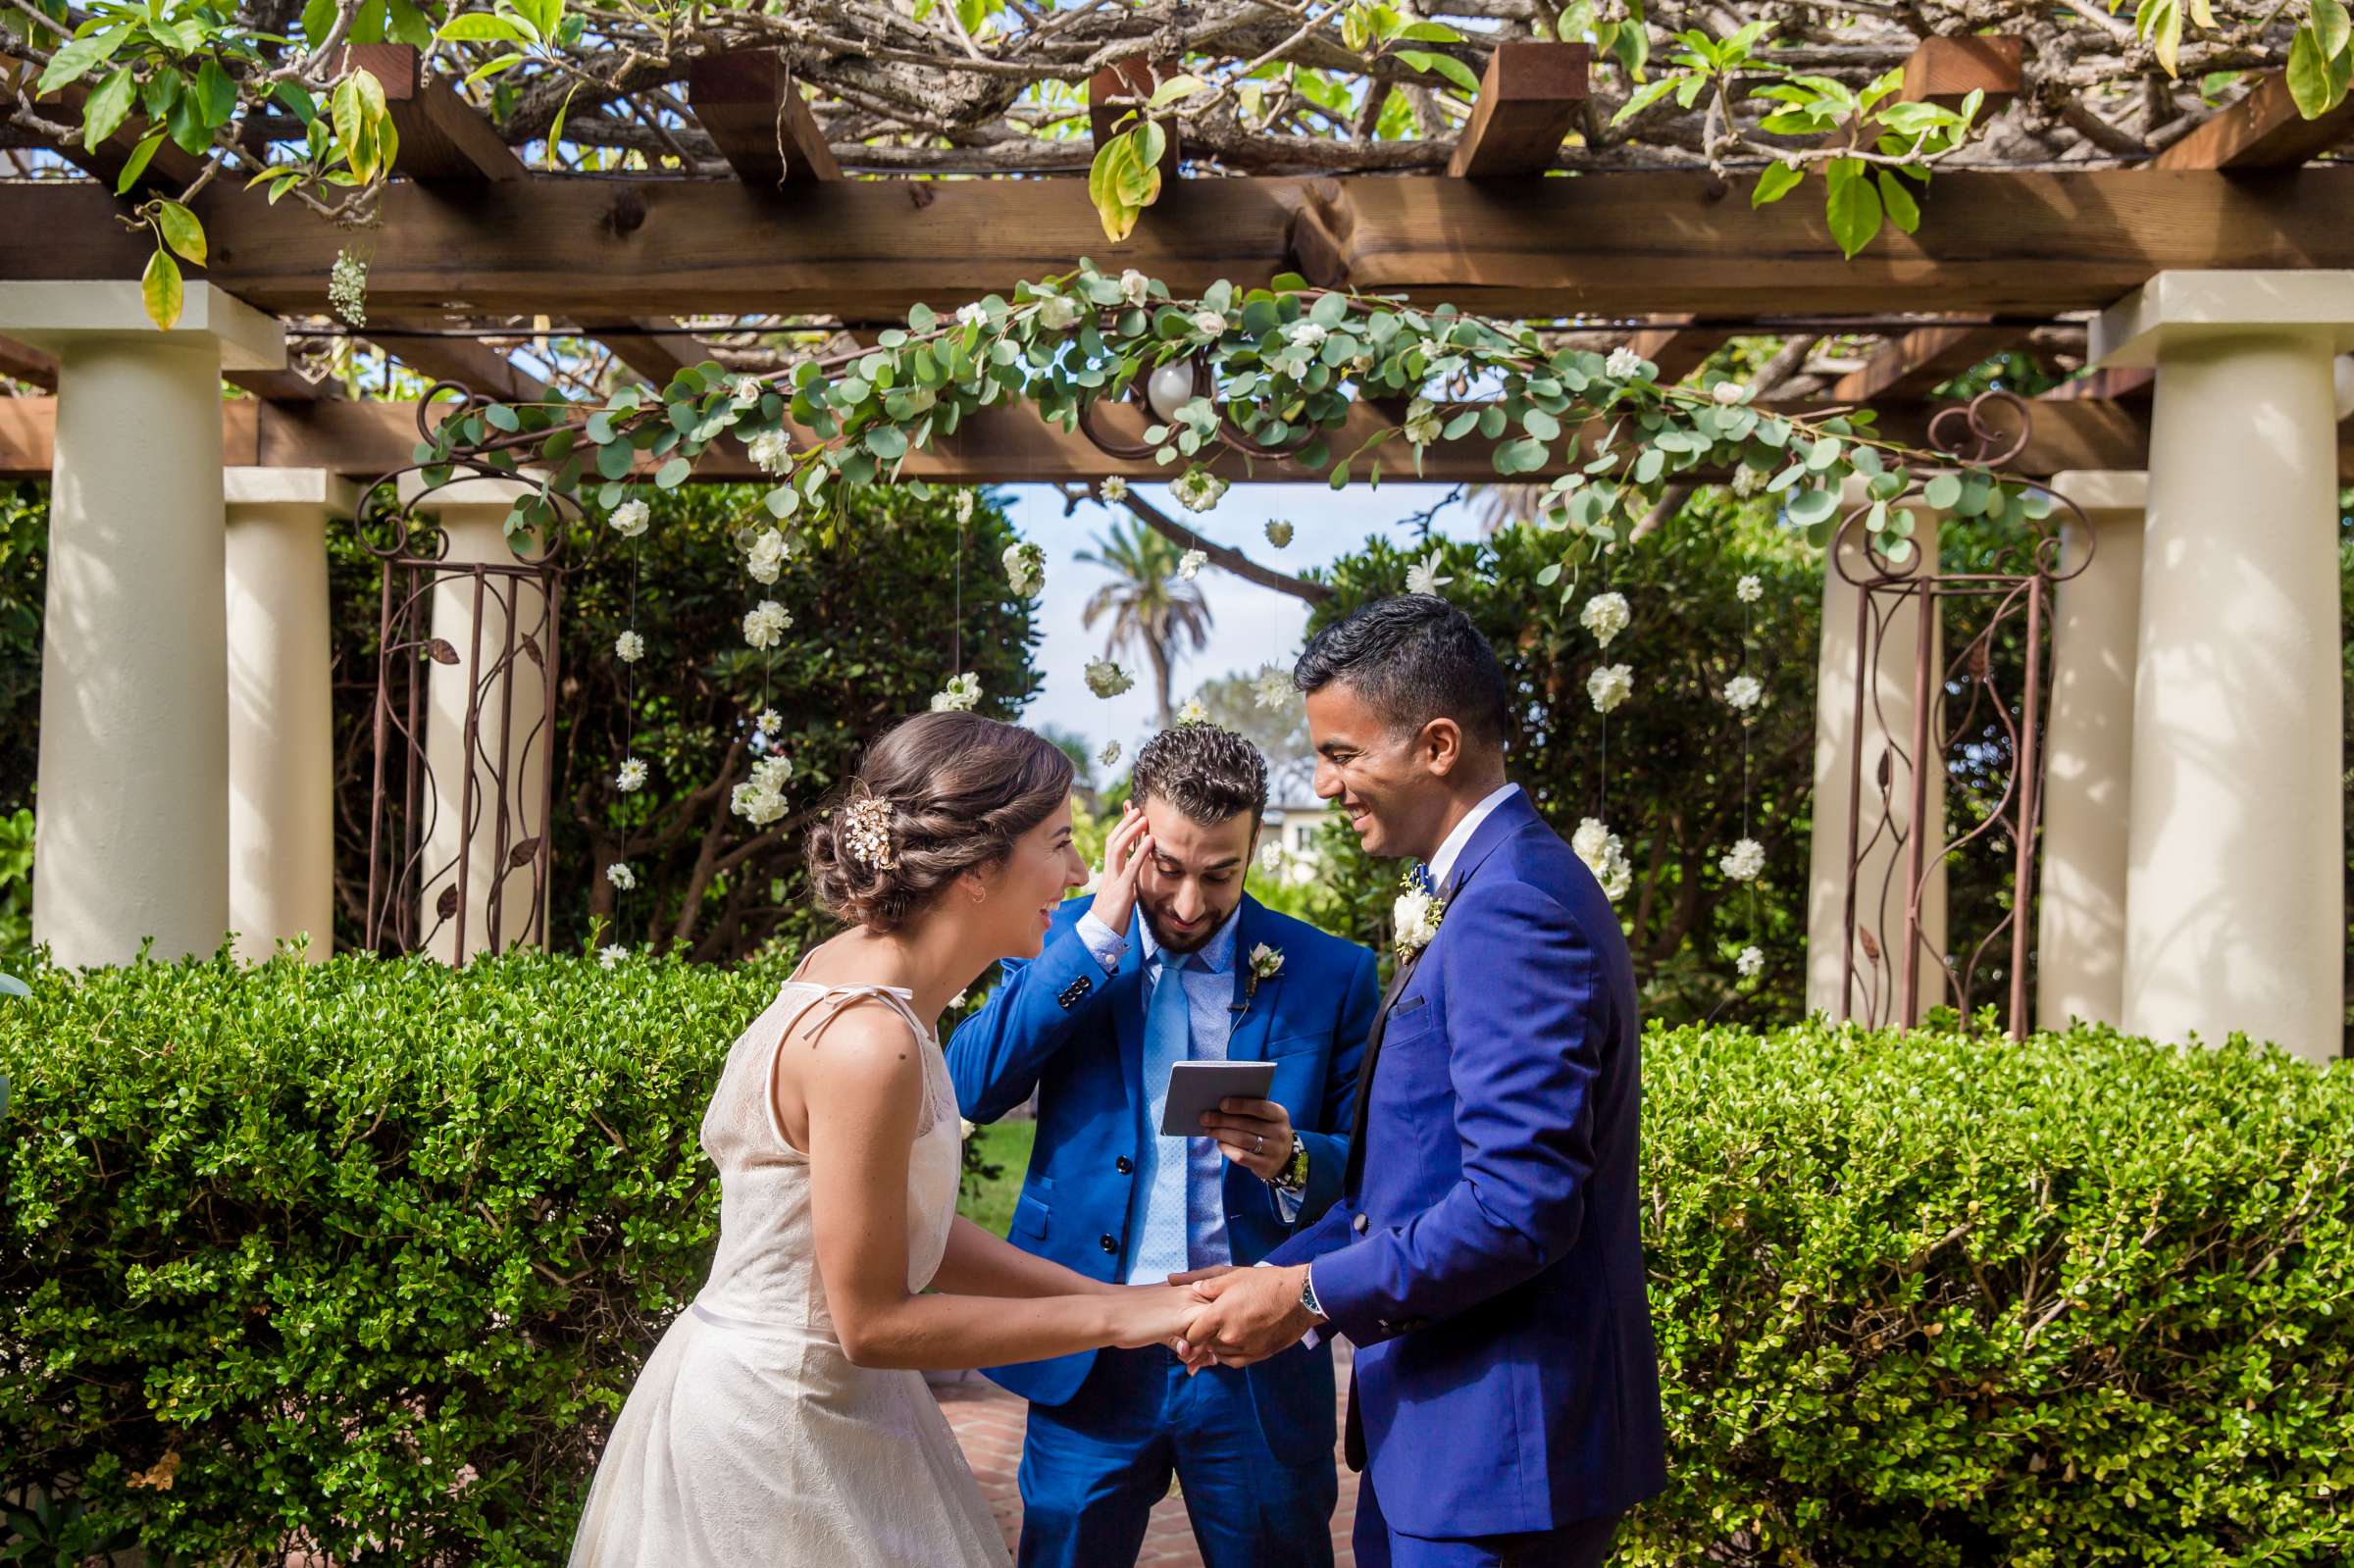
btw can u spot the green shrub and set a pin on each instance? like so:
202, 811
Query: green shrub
364, 1257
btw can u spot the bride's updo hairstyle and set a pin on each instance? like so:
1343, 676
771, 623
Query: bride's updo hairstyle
936, 796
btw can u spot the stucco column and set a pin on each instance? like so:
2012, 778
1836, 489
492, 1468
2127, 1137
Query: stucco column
282, 827
492, 622
2235, 891
133, 774
2088, 753
1886, 731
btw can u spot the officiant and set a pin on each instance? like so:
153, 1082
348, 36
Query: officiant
1171, 962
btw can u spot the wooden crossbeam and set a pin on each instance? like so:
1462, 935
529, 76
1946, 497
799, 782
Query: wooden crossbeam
367, 439
167, 172
2029, 245
470, 361
1528, 99
1677, 347
442, 136
1946, 71
749, 105
656, 350
1912, 366
2262, 130
36, 367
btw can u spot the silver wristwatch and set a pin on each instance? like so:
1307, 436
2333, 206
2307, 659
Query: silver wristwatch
1308, 1297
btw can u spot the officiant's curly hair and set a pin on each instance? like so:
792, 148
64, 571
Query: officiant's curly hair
955, 791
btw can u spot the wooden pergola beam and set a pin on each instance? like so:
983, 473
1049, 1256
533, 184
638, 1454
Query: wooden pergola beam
655, 347
1912, 366
1528, 99
2262, 130
443, 137
1008, 446
467, 360
1945, 70
2028, 244
1677, 347
748, 104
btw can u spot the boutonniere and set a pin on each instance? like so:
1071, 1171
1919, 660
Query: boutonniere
1415, 917
1266, 964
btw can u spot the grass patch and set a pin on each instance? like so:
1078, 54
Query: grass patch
989, 1203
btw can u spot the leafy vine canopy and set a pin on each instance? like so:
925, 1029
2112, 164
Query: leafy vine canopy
1795, 93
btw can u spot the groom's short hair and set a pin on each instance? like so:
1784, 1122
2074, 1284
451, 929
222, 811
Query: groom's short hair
1207, 773
1414, 658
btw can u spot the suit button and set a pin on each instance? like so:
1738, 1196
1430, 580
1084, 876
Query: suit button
1108, 1244
1360, 1224
1124, 1165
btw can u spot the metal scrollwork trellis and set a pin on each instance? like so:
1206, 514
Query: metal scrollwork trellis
459, 817
1959, 709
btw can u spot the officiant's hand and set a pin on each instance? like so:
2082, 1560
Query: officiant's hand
1125, 853
1256, 1135
1251, 1313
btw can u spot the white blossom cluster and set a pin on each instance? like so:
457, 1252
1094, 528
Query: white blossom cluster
1113, 489
1727, 393
765, 559
1749, 591
1606, 615
629, 647
609, 957
746, 393
1623, 365
622, 875
1424, 576
1197, 489
1748, 481
1059, 313
1415, 919
764, 625
1110, 754
1210, 324
1279, 534
761, 801
630, 778
1025, 567
1744, 862
972, 314
1610, 685
1422, 423
1605, 856
1743, 693
1190, 564
1193, 712
1751, 963
347, 288
962, 506
1107, 678
769, 722
961, 695
1135, 288
629, 519
1272, 689
770, 451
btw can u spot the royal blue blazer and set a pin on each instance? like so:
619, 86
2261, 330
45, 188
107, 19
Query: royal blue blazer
1059, 1025
1486, 1261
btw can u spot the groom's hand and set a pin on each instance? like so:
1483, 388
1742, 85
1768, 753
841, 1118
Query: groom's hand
1251, 1313
1256, 1135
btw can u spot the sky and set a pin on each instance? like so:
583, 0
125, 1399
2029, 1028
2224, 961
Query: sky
1251, 625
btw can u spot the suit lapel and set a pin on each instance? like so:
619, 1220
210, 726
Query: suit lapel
1128, 1013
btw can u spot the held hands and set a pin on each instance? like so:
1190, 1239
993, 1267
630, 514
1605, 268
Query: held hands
1255, 1135
1249, 1314
1125, 853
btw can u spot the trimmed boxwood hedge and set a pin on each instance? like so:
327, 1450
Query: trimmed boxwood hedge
361, 1258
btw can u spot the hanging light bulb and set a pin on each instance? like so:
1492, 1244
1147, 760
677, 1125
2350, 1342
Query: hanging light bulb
1170, 389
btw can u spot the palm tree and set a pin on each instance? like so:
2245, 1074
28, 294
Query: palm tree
1151, 609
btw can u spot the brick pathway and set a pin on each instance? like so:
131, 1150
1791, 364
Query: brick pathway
989, 1423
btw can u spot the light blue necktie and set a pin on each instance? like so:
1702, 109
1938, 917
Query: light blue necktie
1162, 1227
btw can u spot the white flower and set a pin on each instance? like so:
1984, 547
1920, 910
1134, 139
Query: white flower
630, 778
746, 391
1749, 591
1025, 567
961, 695
769, 722
770, 451
1266, 962
764, 625
1748, 481
1198, 490
1610, 685
1107, 678
766, 558
1605, 616
1744, 861
622, 876
1605, 856
1135, 287
962, 506
1190, 562
1210, 324
607, 957
762, 800
1750, 964
1727, 393
1623, 365
1304, 334
1272, 689
1110, 754
1113, 488
347, 288
1422, 423
1424, 576
629, 519
1414, 919
772, 771
1743, 693
971, 315
629, 647
1193, 712
1270, 856
1279, 534
1057, 314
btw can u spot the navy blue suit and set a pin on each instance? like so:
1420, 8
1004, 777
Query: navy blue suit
1485, 1258
1058, 1024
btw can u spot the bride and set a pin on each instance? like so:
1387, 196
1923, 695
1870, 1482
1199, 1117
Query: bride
781, 1420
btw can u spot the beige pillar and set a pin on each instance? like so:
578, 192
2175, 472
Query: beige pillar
1888, 717
2088, 753
282, 827
133, 772
2235, 893
480, 620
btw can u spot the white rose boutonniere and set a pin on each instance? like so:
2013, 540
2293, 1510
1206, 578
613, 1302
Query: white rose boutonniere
1266, 962
1415, 917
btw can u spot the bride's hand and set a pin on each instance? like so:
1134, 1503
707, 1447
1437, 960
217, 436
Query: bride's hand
1153, 1314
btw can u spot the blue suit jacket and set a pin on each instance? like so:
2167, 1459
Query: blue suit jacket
1487, 1263
1060, 1024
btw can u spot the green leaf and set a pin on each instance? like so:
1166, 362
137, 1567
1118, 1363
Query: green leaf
1175, 88
2333, 27
2159, 23
1941, 493
76, 57
216, 95
103, 114
137, 163
1447, 66
1902, 210
181, 230
1643, 98
479, 26
1811, 507
1775, 182
1853, 206
670, 475
160, 289
2315, 84
318, 20
410, 26
500, 416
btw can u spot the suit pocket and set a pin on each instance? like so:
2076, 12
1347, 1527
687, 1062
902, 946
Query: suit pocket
1030, 1217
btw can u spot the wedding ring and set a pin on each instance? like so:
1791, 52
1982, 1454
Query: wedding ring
1258, 1142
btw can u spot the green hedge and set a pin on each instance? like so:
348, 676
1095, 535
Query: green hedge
363, 1257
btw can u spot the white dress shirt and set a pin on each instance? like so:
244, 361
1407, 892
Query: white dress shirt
1450, 849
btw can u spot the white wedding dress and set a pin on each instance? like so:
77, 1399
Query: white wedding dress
751, 1441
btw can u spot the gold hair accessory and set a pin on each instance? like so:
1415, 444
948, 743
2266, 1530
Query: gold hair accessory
866, 830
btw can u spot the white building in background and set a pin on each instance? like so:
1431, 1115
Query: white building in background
1295, 821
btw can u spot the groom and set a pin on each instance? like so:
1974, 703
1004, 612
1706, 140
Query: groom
1172, 962
1484, 1257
